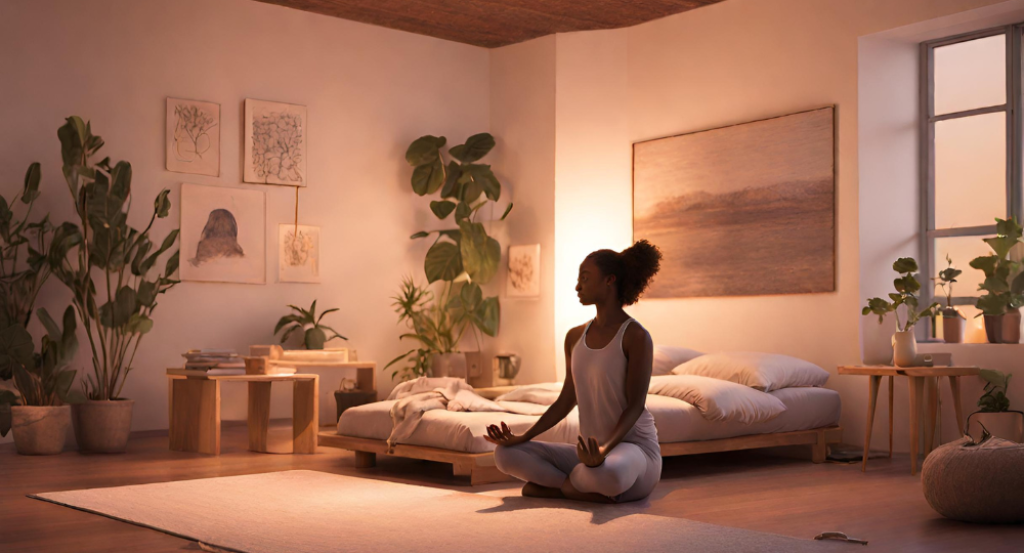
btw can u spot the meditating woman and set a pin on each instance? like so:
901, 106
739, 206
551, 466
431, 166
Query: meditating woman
617, 458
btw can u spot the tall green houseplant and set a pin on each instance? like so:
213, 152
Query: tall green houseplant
108, 271
1004, 281
462, 258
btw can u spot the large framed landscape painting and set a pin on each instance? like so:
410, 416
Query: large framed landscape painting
742, 210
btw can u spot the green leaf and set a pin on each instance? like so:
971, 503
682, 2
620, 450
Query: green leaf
507, 210
321, 317
471, 192
162, 204
996, 378
139, 323
485, 179
166, 245
1002, 244
420, 234
427, 178
147, 293
476, 147
31, 190
986, 263
315, 338
992, 304
995, 284
905, 265
172, 265
470, 296
141, 250
462, 212
333, 332
481, 254
50, 325
424, 150
487, 316
121, 181
15, 349
454, 234
443, 262
450, 189
1009, 228
117, 313
285, 320
442, 209
291, 330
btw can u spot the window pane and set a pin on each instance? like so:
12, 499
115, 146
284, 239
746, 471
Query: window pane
961, 249
970, 75
970, 171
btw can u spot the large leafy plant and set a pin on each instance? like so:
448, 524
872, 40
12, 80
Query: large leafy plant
462, 258
42, 378
907, 287
1004, 281
117, 312
314, 334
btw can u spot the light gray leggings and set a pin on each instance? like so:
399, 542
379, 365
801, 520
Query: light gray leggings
627, 474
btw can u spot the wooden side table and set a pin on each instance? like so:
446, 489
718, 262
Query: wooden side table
194, 403
920, 380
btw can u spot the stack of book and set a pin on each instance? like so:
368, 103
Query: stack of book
214, 361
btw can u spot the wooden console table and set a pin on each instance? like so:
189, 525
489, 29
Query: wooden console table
194, 402
920, 380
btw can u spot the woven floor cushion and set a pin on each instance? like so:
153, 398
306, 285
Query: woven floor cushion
976, 483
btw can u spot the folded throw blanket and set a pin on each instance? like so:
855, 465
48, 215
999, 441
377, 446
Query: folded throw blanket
423, 394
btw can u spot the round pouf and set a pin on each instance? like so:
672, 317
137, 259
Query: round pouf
976, 483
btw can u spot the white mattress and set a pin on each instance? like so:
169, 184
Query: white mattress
677, 421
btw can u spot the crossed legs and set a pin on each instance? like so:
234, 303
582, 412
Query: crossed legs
553, 470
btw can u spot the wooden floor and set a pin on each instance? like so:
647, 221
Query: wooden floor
751, 490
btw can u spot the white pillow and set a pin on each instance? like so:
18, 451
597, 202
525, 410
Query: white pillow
761, 371
668, 357
719, 400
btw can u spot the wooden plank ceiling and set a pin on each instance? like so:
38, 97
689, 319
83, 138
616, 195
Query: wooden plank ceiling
493, 23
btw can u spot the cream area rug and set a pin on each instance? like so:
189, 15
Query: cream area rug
309, 511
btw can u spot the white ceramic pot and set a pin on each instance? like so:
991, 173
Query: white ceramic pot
448, 364
40, 430
904, 348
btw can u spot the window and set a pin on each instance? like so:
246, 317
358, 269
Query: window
971, 152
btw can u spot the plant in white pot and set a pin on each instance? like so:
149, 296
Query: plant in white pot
314, 334
462, 259
952, 318
904, 343
1004, 284
108, 275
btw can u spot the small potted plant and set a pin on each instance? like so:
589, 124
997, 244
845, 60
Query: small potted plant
1004, 284
994, 414
904, 343
314, 334
952, 318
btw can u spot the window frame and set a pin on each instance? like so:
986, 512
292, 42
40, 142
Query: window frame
1014, 156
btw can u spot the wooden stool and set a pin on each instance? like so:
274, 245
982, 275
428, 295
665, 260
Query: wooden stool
194, 402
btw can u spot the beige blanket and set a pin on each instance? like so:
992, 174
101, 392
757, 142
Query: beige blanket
423, 394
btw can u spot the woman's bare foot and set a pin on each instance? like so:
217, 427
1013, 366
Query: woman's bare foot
536, 490
569, 491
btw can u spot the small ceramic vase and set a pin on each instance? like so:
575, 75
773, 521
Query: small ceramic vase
904, 348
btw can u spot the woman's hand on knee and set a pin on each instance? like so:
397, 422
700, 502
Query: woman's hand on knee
590, 452
503, 436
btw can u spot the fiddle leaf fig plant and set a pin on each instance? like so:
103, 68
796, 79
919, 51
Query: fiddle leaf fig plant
105, 262
314, 335
1004, 280
907, 287
465, 252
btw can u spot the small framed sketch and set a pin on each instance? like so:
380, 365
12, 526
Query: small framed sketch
298, 253
223, 234
193, 137
523, 271
275, 137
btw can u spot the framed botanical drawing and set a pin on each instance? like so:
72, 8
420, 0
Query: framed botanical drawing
193, 137
742, 210
298, 253
275, 136
223, 234
523, 272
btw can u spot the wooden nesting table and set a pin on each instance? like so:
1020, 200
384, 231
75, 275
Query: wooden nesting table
921, 379
195, 410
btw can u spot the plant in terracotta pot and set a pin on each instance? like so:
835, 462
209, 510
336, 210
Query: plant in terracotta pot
108, 273
952, 318
40, 414
40, 381
994, 414
907, 286
462, 259
1004, 284
314, 333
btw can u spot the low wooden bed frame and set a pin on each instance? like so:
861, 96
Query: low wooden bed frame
481, 470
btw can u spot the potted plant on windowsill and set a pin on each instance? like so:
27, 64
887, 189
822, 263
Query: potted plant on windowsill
462, 259
107, 274
1004, 284
904, 343
994, 414
952, 318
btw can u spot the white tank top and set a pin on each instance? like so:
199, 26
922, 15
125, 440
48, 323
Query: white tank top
599, 376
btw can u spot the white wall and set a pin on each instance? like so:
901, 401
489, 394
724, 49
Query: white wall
369, 92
